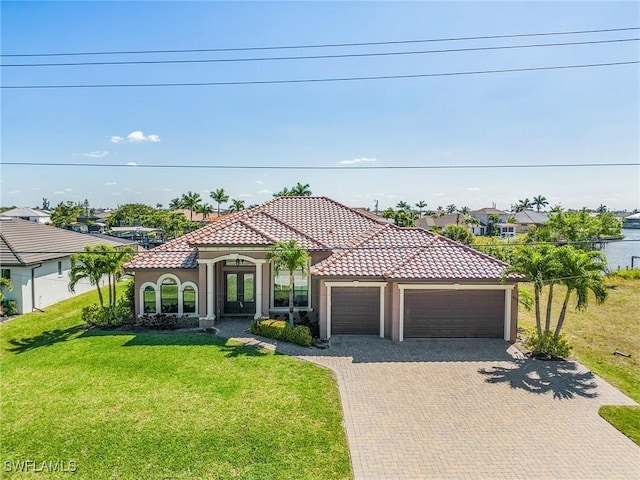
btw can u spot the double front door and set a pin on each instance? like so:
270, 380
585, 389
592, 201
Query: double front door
240, 294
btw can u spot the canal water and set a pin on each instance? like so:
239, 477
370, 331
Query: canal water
620, 252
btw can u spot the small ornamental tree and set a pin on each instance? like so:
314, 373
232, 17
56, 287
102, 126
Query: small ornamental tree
288, 256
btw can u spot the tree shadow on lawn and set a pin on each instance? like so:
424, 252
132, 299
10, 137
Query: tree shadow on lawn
44, 339
562, 378
150, 339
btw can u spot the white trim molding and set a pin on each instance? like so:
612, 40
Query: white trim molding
157, 286
356, 283
508, 288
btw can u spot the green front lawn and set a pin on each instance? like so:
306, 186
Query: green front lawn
152, 405
599, 331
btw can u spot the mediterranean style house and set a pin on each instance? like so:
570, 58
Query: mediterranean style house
365, 276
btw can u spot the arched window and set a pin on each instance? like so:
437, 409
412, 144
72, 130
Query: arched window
169, 296
188, 300
149, 299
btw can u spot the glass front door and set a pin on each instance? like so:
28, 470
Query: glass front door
240, 295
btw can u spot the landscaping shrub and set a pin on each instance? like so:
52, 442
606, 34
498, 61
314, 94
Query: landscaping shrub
547, 346
281, 330
9, 307
630, 274
107, 316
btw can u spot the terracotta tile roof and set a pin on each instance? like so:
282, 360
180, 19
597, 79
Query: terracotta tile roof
362, 246
410, 253
317, 223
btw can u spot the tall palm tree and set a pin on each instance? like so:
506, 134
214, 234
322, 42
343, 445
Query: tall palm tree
492, 219
291, 257
219, 196
190, 201
602, 208
300, 190
113, 266
205, 210
283, 193
580, 272
451, 208
175, 204
236, 205
523, 205
403, 206
421, 205
539, 202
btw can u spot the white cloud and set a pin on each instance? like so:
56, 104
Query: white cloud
438, 194
68, 190
244, 195
116, 139
108, 184
356, 161
58, 192
473, 189
96, 154
264, 190
259, 182
131, 164
139, 137
14, 192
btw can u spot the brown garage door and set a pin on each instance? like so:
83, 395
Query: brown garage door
355, 310
454, 313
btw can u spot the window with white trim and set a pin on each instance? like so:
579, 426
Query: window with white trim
169, 296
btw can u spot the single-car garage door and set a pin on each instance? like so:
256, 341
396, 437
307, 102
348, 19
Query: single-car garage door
355, 310
454, 313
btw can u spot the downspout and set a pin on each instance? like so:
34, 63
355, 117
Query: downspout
33, 288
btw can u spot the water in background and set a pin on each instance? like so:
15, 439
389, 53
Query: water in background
619, 253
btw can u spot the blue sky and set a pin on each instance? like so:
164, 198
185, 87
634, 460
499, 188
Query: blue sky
561, 116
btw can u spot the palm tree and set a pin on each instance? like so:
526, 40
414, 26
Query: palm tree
601, 209
580, 272
539, 202
492, 219
523, 205
300, 190
451, 208
190, 201
237, 205
403, 206
219, 196
88, 265
205, 210
291, 257
421, 205
283, 193
113, 266
175, 204
541, 267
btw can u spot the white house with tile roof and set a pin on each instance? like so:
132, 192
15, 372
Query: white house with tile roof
37, 259
365, 277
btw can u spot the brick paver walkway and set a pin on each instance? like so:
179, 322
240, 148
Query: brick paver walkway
467, 408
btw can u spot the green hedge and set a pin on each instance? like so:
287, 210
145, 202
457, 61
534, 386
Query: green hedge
281, 330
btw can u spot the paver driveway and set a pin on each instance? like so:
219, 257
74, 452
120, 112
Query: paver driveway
469, 408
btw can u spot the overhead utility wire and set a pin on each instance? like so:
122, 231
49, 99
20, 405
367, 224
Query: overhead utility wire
319, 57
325, 45
321, 167
317, 80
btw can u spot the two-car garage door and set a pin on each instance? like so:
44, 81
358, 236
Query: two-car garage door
454, 313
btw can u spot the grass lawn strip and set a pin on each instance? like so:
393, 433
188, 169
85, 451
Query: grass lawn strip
153, 405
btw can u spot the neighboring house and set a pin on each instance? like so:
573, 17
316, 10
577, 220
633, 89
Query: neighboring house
483, 217
37, 259
431, 223
31, 214
198, 217
365, 276
506, 230
528, 218
632, 221
145, 236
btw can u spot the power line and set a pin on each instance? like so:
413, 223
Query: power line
327, 167
318, 80
319, 57
326, 45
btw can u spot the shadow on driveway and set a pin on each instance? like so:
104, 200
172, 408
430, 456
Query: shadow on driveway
564, 379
